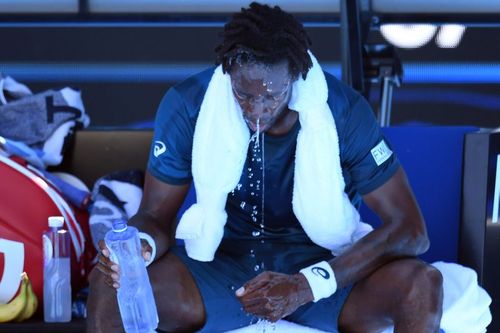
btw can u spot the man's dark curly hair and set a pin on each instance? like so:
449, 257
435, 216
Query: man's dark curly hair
264, 34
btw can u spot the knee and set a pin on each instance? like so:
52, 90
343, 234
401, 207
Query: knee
183, 315
102, 306
424, 284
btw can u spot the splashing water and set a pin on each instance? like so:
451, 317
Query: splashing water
262, 325
255, 136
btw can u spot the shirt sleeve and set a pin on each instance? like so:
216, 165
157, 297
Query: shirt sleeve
367, 156
170, 153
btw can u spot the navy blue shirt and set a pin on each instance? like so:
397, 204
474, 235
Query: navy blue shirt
366, 158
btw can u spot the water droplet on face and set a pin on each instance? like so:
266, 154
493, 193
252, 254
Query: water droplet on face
256, 233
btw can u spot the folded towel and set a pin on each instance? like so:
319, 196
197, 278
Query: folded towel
115, 197
465, 303
280, 326
53, 146
32, 119
10, 89
220, 143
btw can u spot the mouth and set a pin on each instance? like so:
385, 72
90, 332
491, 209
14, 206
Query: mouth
263, 124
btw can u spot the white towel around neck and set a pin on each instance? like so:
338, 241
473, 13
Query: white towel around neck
220, 145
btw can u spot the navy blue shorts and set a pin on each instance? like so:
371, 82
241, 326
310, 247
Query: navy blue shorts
236, 262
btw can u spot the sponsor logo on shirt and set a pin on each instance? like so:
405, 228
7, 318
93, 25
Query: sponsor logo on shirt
159, 148
381, 152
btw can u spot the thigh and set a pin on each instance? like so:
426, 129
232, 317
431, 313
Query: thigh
374, 301
217, 282
324, 314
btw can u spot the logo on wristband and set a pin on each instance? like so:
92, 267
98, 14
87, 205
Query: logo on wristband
321, 272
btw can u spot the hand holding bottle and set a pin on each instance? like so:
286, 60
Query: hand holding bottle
134, 292
112, 269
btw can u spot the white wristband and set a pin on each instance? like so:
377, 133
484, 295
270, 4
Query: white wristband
152, 243
321, 279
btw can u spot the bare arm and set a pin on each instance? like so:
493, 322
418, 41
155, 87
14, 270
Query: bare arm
157, 212
156, 216
402, 233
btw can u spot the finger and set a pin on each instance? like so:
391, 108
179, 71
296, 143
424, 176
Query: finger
103, 247
112, 283
104, 269
248, 303
146, 255
105, 261
274, 316
111, 278
255, 284
145, 246
257, 308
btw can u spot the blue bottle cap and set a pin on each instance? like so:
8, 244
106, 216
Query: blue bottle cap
119, 225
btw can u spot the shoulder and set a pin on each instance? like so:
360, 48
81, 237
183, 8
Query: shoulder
341, 97
349, 108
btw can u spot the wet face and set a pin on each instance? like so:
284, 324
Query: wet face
262, 91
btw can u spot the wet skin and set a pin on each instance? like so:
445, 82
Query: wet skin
391, 287
263, 92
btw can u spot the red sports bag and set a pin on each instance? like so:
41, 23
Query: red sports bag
26, 201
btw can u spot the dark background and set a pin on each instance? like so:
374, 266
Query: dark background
124, 71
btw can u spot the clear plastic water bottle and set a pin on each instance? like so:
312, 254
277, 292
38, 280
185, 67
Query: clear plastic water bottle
56, 272
135, 295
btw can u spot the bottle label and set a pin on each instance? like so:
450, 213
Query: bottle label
47, 249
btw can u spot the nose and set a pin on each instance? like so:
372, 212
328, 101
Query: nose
256, 108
